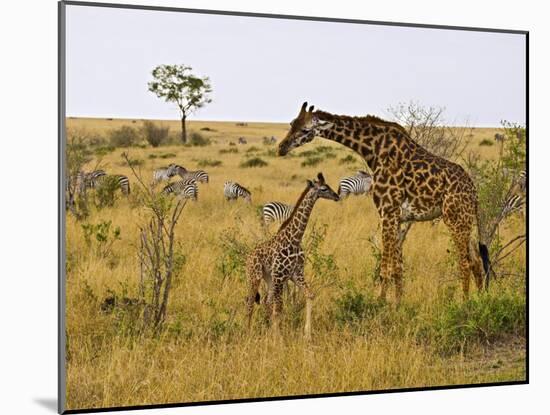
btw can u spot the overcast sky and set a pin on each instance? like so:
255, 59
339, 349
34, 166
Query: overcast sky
263, 69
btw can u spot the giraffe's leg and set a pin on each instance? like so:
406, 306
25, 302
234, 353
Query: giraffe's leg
397, 268
277, 306
301, 282
476, 265
390, 266
461, 241
459, 217
254, 272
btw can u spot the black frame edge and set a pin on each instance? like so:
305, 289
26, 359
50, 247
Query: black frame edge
61, 375
289, 17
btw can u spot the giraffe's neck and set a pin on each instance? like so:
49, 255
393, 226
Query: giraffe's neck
364, 137
296, 225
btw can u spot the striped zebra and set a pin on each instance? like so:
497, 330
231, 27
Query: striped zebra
99, 178
242, 140
185, 189
499, 138
276, 212
521, 181
164, 173
232, 191
514, 203
356, 185
200, 176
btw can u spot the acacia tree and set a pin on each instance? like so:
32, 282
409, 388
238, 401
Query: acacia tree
176, 83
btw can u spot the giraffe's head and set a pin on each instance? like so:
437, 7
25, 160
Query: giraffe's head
321, 189
302, 129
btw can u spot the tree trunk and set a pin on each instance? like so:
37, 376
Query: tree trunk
183, 130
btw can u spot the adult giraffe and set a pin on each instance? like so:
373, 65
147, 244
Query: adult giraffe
409, 184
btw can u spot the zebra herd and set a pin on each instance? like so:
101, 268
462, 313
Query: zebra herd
187, 187
95, 179
272, 212
358, 184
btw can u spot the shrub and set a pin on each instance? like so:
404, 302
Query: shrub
103, 150
209, 163
208, 129
133, 163
152, 156
154, 135
253, 162
167, 155
349, 159
307, 153
198, 140
323, 265
229, 150
124, 136
486, 142
252, 149
483, 318
233, 258
100, 237
106, 194
311, 161
352, 306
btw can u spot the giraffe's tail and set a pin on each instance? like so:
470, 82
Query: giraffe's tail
483, 252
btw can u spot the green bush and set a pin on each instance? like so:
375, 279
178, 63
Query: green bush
312, 161
484, 318
352, 306
106, 193
229, 150
154, 135
232, 261
104, 150
196, 139
167, 155
100, 237
209, 163
253, 162
349, 159
486, 142
124, 136
252, 149
307, 153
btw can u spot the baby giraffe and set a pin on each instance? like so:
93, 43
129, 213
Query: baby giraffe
281, 258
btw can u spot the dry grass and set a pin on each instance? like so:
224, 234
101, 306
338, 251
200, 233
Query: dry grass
206, 354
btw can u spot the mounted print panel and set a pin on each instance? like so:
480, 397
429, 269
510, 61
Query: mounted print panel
262, 207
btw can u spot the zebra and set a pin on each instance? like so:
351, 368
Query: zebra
164, 173
200, 176
499, 137
514, 203
98, 178
276, 212
358, 184
242, 140
521, 181
185, 189
232, 191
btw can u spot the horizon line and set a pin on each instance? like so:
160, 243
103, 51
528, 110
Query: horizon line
249, 121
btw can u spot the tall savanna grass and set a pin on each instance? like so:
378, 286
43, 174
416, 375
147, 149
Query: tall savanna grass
204, 351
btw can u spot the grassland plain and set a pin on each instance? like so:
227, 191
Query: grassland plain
206, 353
